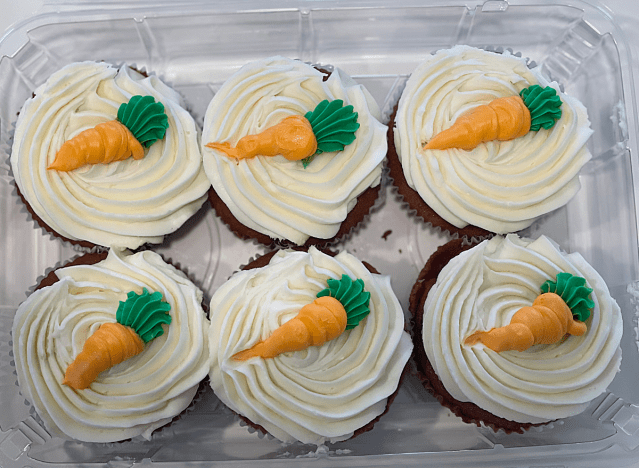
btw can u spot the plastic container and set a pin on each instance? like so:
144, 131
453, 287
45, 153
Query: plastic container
195, 47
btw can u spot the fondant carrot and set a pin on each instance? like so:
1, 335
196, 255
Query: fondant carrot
111, 344
138, 321
139, 124
502, 119
329, 127
548, 319
339, 307
292, 137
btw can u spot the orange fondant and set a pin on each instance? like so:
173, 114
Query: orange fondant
545, 322
316, 323
111, 344
293, 138
502, 119
106, 142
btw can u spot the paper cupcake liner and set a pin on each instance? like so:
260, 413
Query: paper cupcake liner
48, 278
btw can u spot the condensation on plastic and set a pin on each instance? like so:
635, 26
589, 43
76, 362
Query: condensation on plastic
195, 47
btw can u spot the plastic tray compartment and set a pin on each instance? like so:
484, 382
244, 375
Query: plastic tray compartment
195, 47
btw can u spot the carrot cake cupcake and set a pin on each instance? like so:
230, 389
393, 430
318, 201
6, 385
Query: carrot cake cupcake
293, 153
514, 332
107, 156
308, 347
111, 347
481, 143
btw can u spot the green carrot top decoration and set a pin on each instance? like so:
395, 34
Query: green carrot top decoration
574, 292
329, 127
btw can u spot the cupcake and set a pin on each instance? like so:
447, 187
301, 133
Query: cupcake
274, 364
294, 154
111, 347
496, 169
514, 332
107, 156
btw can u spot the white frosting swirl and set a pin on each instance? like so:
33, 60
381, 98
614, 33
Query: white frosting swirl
275, 196
498, 186
481, 289
324, 392
134, 397
125, 203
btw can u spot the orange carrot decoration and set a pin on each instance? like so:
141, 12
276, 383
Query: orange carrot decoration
548, 319
139, 320
339, 307
502, 119
139, 124
329, 127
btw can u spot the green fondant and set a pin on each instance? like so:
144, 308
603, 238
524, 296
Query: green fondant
334, 126
352, 296
544, 105
145, 313
145, 118
574, 292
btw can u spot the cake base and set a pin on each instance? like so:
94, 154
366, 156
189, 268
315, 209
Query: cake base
365, 202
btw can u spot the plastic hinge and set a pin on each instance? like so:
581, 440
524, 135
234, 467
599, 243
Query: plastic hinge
577, 45
624, 416
25, 434
494, 5
119, 462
